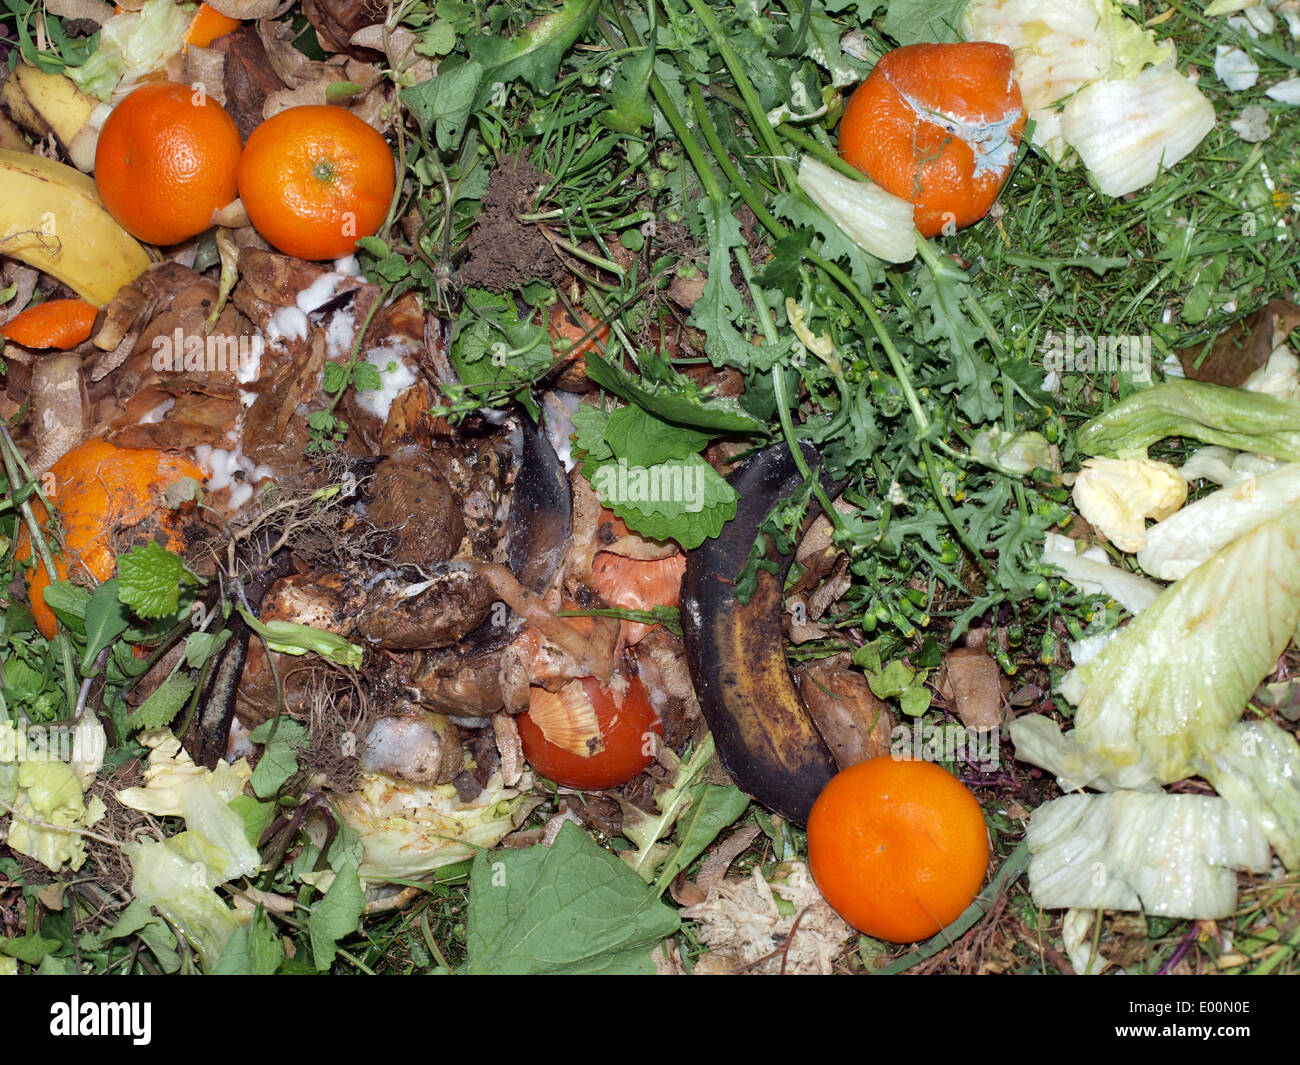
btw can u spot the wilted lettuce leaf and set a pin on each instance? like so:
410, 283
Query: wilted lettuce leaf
1257, 768
1171, 855
1179, 675
1214, 414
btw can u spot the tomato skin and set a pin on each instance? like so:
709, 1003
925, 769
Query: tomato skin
624, 730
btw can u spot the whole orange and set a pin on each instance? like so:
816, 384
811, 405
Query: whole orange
898, 848
166, 159
109, 499
937, 125
315, 178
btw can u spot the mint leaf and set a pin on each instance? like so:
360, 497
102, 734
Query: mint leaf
282, 737
685, 500
163, 705
589, 423
149, 580
644, 440
573, 909
335, 916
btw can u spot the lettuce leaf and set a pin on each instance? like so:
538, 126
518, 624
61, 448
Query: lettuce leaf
1213, 414
1171, 855
1256, 767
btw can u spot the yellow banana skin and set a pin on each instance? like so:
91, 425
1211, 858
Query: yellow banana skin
51, 217
46, 103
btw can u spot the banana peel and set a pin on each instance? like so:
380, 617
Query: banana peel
51, 217
766, 738
44, 103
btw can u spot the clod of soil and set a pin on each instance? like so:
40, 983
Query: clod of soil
504, 253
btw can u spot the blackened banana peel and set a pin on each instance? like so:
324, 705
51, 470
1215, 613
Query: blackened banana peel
765, 736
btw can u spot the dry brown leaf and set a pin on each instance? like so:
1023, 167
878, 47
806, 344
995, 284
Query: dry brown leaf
971, 682
853, 721
1244, 346
248, 77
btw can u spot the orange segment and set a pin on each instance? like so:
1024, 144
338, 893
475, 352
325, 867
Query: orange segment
109, 500
59, 324
937, 125
898, 848
208, 25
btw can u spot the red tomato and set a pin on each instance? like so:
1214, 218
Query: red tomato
625, 731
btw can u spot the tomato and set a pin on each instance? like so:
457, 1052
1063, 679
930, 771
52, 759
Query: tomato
625, 731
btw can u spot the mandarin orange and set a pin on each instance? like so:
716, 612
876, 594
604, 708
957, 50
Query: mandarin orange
937, 125
898, 848
109, 500
166, 159
316, 178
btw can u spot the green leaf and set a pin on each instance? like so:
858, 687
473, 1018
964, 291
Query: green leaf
288, 637
629, 95
69, 602
445, 102
237, 958
335, 916
139, 920
149, 579
31, 948
336, 377
572, 909
366, 376
674, 398
282, 736
163, 705
644, 440
589, 423
256, 816
716, 311
252, 950
535, 53
685, 500
106, 618
713, 808
201, 646
918, 21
